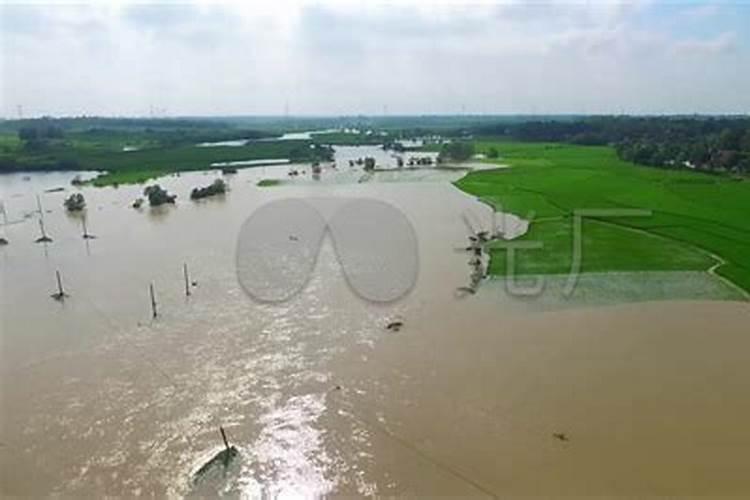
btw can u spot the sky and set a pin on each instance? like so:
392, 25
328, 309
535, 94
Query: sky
272, 57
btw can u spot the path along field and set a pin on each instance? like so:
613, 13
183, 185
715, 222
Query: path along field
698, 221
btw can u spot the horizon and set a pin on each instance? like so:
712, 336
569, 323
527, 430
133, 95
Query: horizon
376, 116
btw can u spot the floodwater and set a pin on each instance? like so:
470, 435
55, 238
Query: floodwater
316, 394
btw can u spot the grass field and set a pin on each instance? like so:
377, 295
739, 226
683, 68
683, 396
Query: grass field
697, 220
105, 153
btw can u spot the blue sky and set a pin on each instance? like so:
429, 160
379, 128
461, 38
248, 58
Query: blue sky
340, 57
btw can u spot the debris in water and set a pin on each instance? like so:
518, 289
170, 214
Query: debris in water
222, 459
395, 326
3, 241
561, 436
293, 238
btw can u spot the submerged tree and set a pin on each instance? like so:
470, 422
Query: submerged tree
158, 196
75, 202
217, 187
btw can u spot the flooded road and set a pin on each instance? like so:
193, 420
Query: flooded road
319, 397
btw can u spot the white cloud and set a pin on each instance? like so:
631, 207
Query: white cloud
345, 57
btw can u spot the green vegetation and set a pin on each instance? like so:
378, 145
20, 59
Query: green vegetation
456, 151
693, 216
75, 202
158, 196
704, 143
268, 182
216, 187
348, 138
132, 150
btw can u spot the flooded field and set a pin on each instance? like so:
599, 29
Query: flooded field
482, 395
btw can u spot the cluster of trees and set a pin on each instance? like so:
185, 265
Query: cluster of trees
456, 151
75, 202
705, 143
216, 187
158, 196
36, 136
311, 152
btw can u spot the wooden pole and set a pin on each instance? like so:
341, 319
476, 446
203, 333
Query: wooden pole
224, 437
83, 223
153, 300
59, 284
187, 279
60, 294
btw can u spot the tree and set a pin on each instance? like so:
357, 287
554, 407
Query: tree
457, 151
75, 202
745, 141
27, 134
158, 196
492, 152
217, 187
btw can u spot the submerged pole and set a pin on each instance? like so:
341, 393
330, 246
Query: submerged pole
224, 437
153, 300
60, 294
43, 238
187, 279
60, 290
85, 230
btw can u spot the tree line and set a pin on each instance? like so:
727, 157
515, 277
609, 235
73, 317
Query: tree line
701, 143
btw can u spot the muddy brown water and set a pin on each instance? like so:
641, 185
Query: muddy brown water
317, 395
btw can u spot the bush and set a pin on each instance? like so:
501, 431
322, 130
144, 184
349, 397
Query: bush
457, 151
75, 202
158, 196
217, 187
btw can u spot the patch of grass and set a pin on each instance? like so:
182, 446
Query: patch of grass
126, 177
127, 167
693, 214
268, 182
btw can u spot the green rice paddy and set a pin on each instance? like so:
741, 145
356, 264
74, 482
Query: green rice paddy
697, 221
